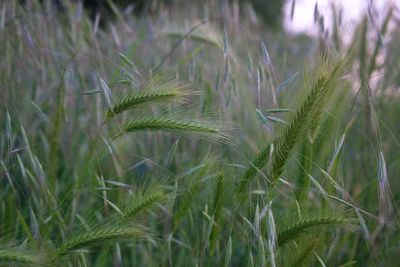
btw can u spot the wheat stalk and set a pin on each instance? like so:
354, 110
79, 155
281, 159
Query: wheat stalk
306, 115
293, 230
259, 162
305, 255
26, 258
161, 123
99, 236
143, 201
133, 100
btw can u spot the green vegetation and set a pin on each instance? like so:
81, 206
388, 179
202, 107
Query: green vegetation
196, 138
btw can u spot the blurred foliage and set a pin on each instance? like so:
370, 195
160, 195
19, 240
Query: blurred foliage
270, 11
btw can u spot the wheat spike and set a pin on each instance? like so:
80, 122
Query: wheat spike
98, 236
293, 230
306, 115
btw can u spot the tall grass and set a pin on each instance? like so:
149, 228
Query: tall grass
179, 140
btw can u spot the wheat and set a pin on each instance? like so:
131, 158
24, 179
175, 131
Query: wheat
293, 230
21, 257
306, 115
99, 236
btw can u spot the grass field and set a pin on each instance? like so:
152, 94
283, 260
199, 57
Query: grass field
196, 136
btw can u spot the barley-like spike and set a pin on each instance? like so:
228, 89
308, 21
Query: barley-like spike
259, 162
133, 100
305, 256
293, 230
19, 257
98, 236
284, 144
187, 199
306, 115
159, 123
143, 202
218, 199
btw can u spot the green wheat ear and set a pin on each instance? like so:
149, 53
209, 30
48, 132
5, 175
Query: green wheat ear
185, 201
150, 88
308, 112
217, 211
136, 99
24, 258
168, 124
293, 230
305, 256
143, 201
171, 124
259, 162
99, 236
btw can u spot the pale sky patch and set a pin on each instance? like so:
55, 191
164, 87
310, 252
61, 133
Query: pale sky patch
353, 10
